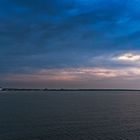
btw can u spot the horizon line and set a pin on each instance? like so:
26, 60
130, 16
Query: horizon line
71, 89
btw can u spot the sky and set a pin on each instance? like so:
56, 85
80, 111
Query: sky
70, 43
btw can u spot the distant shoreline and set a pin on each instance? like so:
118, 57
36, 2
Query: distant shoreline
45, 89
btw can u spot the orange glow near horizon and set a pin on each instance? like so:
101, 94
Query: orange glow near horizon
73, 74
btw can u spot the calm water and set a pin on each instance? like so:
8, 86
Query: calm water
70, 115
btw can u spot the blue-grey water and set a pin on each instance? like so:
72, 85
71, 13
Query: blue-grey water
77, 115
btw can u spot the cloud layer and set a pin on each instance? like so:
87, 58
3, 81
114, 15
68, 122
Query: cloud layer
68, 35
75, 75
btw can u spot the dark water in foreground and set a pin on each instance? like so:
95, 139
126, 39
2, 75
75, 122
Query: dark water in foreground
112, 115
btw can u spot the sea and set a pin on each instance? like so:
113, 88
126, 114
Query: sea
70, 115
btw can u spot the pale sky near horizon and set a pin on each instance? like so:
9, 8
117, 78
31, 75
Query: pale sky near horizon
70, 43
